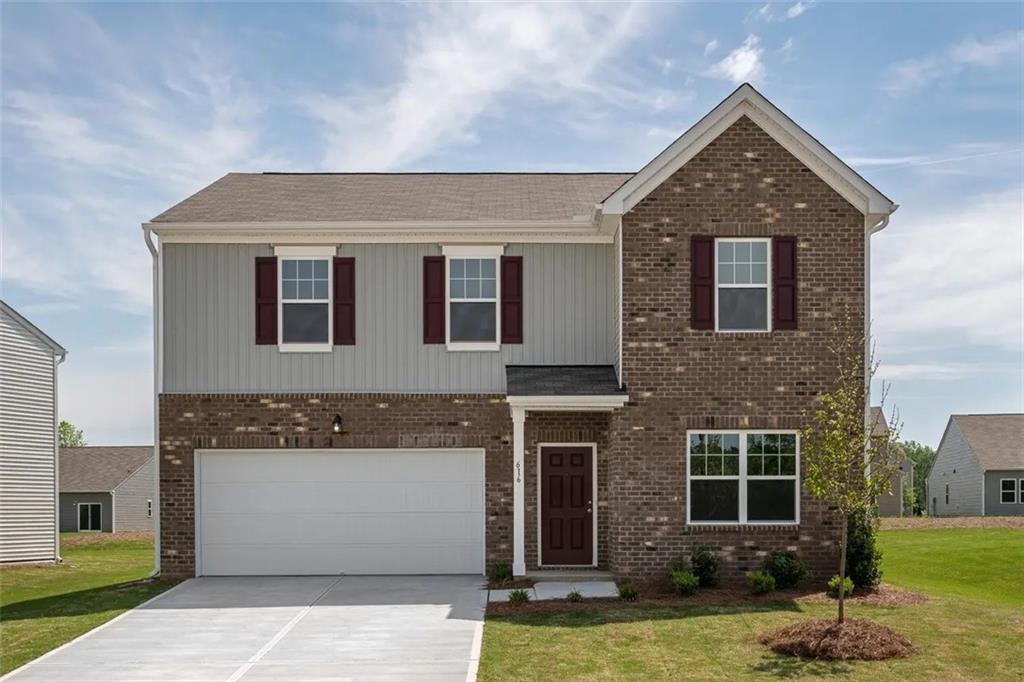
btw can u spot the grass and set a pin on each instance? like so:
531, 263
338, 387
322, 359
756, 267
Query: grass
42, 607
974, 578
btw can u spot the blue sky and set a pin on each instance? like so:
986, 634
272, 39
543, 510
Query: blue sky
111, 113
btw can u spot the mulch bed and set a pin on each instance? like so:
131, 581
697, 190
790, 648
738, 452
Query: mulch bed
517, 584
102, 538
885, 596
860, 640
918, 522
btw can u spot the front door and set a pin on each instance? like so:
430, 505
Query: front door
567, 506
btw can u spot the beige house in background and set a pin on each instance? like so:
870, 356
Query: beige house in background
892, 502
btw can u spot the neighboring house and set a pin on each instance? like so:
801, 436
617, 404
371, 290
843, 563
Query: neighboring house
108, 489
436, 372
979, 467
892, 503
28, 440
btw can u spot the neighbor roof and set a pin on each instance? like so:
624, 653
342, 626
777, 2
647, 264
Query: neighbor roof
388, 197
562, 380
996, 439
879, 426
100, 469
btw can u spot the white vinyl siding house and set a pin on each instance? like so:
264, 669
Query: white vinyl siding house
28, 440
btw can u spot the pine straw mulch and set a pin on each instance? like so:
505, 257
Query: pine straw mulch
918, 522
885, 596
101, 538
855, 639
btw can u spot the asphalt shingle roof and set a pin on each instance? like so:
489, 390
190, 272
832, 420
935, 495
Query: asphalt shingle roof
997, 439
562, 380
100, 469
370, 197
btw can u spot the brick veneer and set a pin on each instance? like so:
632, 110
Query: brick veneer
742, 184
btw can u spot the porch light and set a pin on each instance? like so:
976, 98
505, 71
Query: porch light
336, 424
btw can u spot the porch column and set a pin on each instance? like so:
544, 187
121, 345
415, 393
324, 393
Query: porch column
518, 492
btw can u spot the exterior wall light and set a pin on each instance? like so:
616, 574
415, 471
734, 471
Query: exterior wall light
336, 424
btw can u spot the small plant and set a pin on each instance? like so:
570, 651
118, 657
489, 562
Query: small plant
678, 563
833, 587
761, 582
499, 573
519, 596
705, 566
628, 591
574, 596
685, 582
785, 567
863, 559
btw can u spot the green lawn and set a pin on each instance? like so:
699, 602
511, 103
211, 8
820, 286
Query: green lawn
968, 630
41, 607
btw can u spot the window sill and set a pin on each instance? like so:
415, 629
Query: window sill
304, 347
457, 346
737, 526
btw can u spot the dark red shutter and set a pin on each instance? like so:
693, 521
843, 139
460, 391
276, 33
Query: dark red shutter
344, 301
702, 282
784, 283
511, 299
266, 300
433, 299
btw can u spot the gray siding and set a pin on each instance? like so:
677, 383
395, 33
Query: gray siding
891, 502
69, 510
209, 323
956, 465
27, 448
130, 500
993, 505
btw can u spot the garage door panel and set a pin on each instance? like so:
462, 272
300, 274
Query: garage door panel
341, 511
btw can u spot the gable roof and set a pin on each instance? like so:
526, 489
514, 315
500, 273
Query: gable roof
389, 197
22, 321
100, 469
746, 101
997, 440
879, 425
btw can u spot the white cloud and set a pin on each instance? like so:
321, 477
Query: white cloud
955, 275
711, 46
799, 8
742, 64
767, 14
461, 60
918, 72
924, 371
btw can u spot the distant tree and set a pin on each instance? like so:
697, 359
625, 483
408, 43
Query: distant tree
70, 435
845, 465
922, 456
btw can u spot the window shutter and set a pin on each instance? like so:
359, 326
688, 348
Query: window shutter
266, 300
433, 299
511, 299
784, 293
702, 282
345, 301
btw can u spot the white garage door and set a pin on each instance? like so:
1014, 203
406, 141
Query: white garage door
320, 512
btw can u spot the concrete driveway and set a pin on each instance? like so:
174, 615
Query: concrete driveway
285, 628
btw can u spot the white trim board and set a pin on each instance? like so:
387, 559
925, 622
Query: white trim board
746, 101
568, 403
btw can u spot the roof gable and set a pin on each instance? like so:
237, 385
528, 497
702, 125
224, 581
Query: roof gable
100, 469
746, 101
997, 440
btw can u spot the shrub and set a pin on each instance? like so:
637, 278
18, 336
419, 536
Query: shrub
863, 559
761, 582
574, 596
785, 567
678, 563
685, 582
500, 573
705, 566
833, 587
519, 596
628, 591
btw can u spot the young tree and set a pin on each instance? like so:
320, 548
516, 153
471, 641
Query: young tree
70, 435
844, 464
922, 456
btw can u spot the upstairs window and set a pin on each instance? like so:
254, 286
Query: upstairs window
742, 290
473, 295
305, 301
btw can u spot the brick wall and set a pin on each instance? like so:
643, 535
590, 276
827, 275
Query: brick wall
742, 184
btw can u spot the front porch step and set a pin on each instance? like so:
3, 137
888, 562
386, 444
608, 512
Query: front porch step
570, 575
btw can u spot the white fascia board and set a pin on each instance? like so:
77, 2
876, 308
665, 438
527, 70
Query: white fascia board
567, 403
308, 251
473, 250
746, 101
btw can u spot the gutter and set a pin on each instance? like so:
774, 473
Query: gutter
147, 234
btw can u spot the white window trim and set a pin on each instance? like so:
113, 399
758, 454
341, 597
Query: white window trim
78, 513
149, 509
325, 253
1015, 491
743, 478
494, 252
767, 286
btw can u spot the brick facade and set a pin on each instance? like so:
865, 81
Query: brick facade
742, 184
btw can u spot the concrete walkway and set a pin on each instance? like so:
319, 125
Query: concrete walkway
284, 628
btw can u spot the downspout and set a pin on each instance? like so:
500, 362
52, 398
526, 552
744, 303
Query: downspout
870, 230
147, 234
56, 462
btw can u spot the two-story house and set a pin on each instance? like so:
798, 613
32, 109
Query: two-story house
436, 372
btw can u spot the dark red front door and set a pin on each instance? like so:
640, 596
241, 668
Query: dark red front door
567, 506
